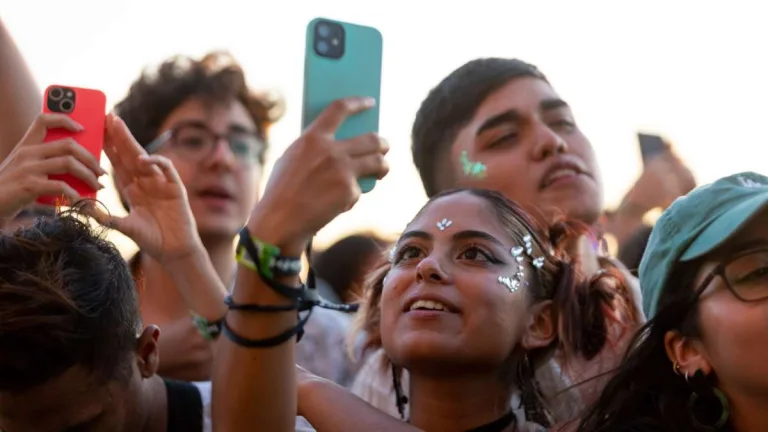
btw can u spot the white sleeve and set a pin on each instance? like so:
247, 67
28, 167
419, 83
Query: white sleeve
205, 395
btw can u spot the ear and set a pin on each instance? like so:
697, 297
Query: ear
147, 353
687, 353
541, 328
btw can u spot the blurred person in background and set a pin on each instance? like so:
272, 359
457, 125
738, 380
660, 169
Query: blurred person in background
202, 116
345, 264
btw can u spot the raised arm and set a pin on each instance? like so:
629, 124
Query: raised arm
312, 183
22, 99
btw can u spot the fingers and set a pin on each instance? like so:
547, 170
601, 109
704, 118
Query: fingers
57, 188
69, 147
69, 165
334, 115
373, 165
103, 218
165, 166
364, 145
122, 139
43, 122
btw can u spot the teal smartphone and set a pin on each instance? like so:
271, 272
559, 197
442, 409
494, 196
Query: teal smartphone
342, 60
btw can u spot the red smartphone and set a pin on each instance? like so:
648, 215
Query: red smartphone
88, 108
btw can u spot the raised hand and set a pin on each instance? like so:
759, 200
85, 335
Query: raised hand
24, 173
316, 178
159, 219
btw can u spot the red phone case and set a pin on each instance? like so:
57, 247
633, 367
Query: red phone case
89, 110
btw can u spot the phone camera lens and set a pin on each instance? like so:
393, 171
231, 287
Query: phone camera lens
323, 30
56, 93
322, 47
66, 106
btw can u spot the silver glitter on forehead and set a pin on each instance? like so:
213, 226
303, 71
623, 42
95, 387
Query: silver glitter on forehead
443, 224
392, 253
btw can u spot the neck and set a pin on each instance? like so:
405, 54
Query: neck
748, 413
458, 403
155, 405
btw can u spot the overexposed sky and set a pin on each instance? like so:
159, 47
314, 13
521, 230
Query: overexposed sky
691, 70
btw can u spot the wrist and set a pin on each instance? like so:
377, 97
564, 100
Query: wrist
272, 227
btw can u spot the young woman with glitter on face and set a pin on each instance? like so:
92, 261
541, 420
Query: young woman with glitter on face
471, 302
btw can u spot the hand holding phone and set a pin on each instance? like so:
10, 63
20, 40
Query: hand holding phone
86, 107
651, 146
343, 60
29, 171
316, 178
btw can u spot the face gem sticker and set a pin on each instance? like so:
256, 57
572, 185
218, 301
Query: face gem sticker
443, 224
471, 168
511, 284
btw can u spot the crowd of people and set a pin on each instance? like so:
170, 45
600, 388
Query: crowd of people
498, 308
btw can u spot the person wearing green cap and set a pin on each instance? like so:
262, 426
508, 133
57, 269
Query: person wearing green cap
699, 362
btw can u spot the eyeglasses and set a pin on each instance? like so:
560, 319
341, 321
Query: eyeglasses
745, 275
195, 141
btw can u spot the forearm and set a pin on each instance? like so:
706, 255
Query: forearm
22, 100
332, 408
184, 354
256, 387
200, 285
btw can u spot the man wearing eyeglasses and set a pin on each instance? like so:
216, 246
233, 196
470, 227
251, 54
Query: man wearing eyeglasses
201, 115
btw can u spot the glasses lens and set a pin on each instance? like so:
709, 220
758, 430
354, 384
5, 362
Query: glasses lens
748, 275
193, 141
245, 146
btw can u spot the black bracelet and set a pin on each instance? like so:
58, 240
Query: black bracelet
247, 243
259, 308
283, 337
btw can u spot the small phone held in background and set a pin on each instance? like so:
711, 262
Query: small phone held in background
342, 60
651, 146
88, 108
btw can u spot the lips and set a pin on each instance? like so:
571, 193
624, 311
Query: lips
562, 170
216, 193
430, 303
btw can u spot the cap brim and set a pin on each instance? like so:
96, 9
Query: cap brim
725, 227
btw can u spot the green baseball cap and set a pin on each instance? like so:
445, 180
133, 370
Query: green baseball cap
695, 225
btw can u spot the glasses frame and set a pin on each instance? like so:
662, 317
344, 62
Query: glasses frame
170, 135
720, 271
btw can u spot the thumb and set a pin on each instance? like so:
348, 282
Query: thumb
105, 219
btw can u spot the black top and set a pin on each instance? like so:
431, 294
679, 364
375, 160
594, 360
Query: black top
185, 407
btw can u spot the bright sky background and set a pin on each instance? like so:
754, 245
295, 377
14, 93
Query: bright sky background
694, 71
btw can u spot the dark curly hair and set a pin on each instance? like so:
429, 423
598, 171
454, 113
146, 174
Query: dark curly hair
450, 106
216, 77
67, 298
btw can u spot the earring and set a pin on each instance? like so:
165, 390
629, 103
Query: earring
708, 408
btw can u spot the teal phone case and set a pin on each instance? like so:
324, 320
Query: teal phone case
356, 73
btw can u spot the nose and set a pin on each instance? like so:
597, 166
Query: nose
221, 156
429, 270
548, 143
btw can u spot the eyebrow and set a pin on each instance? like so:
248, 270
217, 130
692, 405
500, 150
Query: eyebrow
459, 236
513, 116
